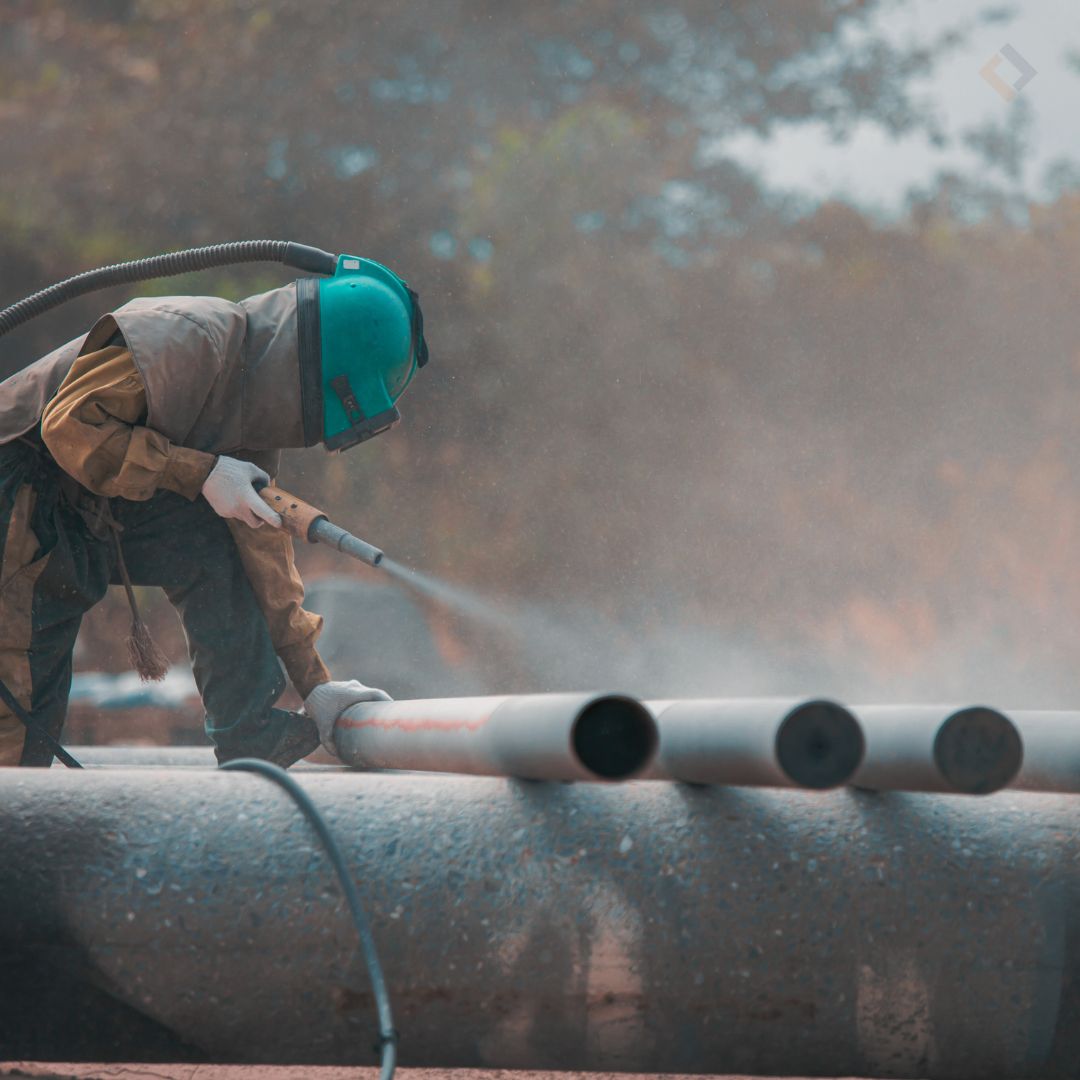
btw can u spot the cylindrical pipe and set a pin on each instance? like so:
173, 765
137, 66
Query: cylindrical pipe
646, 927
970, 751
1051, 750
757, 742
536, 737
170, 757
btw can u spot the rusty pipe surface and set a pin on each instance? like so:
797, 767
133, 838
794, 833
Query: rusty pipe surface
971, 751
757, 742
535, 736
161, 916
1051, 750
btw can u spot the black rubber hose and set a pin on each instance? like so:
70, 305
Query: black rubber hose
312, 260
387, 1036
9, 699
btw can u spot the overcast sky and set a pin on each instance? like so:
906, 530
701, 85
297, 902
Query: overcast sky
877, 171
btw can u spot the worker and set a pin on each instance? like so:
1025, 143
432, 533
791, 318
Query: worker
133, 455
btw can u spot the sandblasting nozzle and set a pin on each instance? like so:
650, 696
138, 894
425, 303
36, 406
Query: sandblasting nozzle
307, 522
326, 533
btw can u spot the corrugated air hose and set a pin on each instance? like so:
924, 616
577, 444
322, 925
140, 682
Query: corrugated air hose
311, 260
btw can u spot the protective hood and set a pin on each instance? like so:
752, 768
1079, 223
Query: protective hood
362, 329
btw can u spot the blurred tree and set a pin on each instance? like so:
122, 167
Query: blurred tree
654, 387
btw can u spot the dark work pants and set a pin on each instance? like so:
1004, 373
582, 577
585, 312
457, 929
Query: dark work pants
53, 568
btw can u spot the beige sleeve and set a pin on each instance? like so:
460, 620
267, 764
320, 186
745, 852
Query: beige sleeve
267, 555
93, 427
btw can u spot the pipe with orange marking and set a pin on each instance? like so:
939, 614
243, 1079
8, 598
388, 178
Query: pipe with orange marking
535, 737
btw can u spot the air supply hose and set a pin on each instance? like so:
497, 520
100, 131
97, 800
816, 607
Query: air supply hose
387, 1036
311, 260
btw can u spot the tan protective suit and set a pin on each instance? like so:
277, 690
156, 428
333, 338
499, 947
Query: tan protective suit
193, 377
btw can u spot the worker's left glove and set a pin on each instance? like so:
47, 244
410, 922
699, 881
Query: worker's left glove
327, 702
230, 490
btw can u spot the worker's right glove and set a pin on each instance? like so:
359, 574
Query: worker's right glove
328, 701
230, 490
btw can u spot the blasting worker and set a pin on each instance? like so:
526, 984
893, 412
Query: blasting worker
132, 456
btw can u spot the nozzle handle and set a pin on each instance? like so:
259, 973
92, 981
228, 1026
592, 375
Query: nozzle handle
297, 517
307, 522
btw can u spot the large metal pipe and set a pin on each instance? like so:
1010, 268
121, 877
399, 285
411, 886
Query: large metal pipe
757, 742
155, 916
971, 751
536, 737
1051, 751
171, 757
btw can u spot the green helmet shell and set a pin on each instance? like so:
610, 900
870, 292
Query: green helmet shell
372, 342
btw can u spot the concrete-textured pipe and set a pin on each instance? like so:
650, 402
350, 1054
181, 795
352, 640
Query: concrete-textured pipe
756, 742
172, 757
156, 916
971, 751
535, 737
1051, 750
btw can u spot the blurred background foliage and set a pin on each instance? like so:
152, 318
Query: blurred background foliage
720, 440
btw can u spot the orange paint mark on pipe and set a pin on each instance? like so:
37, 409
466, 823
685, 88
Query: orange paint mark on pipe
413, 725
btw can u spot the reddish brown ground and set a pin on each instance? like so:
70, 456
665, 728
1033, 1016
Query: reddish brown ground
15, 1069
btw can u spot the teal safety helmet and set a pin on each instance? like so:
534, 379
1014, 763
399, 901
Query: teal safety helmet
365, 328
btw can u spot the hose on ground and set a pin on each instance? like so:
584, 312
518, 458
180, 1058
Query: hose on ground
387, 1035
13, 704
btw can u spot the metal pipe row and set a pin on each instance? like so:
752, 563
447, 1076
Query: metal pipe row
651, 927
813, 744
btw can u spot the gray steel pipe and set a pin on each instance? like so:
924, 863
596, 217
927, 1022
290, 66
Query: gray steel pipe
756, 742
1051, 751
649, 927
536, 736
971, 751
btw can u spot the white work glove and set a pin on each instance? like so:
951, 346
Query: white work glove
229, 490
328, 701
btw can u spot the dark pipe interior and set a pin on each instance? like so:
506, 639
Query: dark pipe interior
614, 737
978, 750
820, 745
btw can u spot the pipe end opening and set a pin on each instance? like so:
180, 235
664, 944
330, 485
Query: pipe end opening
614, 737
978, 750
820, 745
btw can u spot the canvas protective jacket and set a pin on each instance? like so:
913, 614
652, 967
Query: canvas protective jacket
209, 376
221, 377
